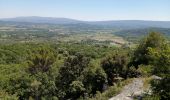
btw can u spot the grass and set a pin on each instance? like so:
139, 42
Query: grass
146, 83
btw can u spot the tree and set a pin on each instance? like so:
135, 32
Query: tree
78, 78
69, 75
94, 79
161, 88
43, 86
99, 80
141, 54
19, 85
161, 60
5, 96
161, 67
40, 64
38, 79
115, 65
76, 89
41, 59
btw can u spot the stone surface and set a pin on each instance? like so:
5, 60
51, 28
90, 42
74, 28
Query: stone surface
129, 91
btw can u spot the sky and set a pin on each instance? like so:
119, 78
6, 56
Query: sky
88, 10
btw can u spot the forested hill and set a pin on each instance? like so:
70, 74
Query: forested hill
111, 23
141, 32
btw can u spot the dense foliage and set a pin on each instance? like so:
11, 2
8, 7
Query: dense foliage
115, 66
42, 71
55, 71
155, 51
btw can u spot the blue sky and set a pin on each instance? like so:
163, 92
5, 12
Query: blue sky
88, 9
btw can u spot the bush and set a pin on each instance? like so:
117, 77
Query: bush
141, 54
111, 91
133, 72
6, 96
161, 88
145, 70
115, 66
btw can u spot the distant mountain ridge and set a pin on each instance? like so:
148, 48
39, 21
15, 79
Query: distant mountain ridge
114, 23
35, 19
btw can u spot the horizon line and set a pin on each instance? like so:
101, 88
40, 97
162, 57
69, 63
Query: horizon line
87, 20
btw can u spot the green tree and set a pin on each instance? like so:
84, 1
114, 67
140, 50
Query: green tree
141, 54
41, 59
78, 78
40, 66
115, 66
161, 60
76, 89
94, 79
71, 71
43, 86
37, 80
6, 96
161, 64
